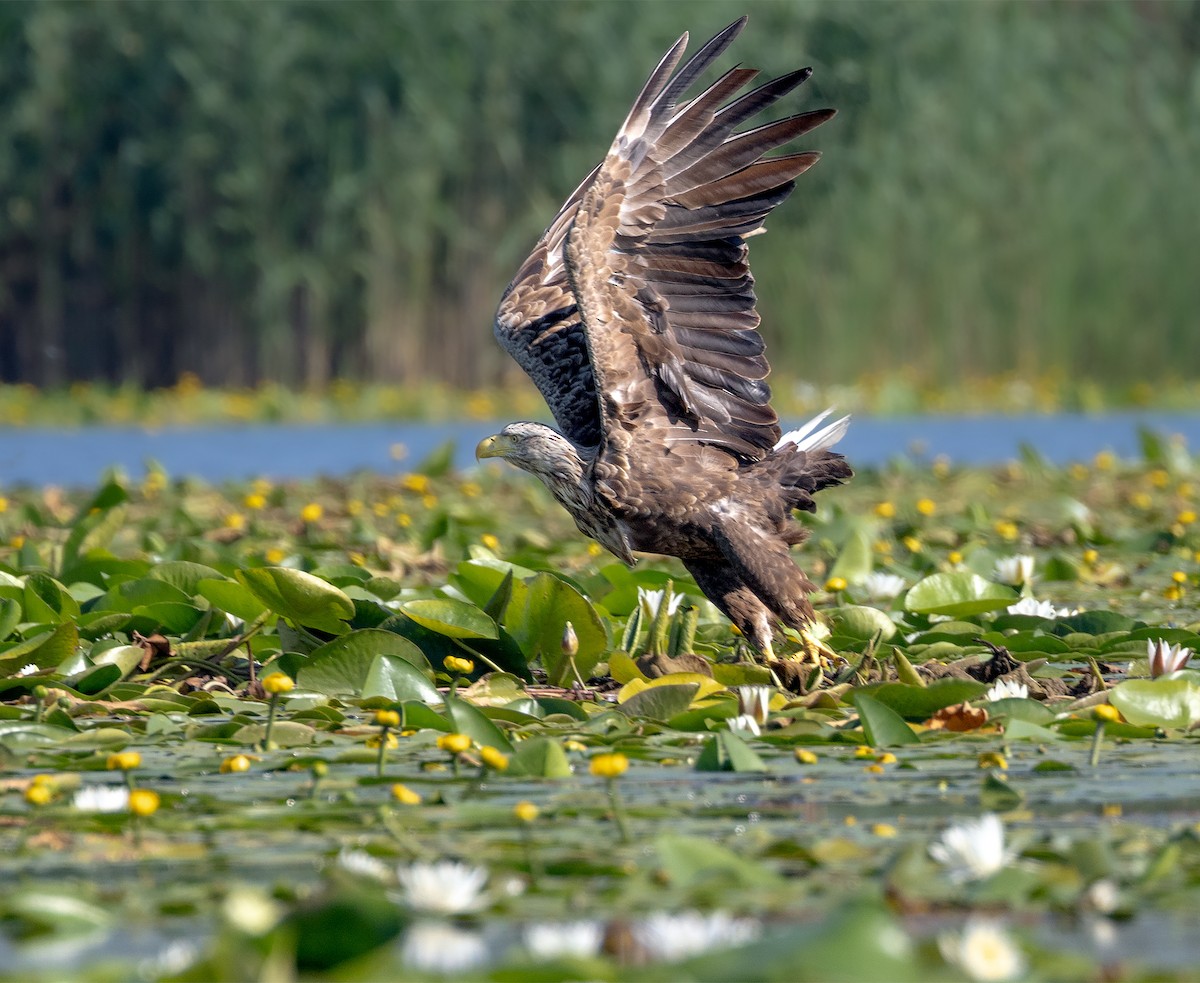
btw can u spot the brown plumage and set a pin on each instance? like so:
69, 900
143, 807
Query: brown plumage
635, 316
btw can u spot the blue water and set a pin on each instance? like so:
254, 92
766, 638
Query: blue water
78, 457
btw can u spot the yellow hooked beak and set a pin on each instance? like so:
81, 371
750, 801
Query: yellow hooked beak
496, 445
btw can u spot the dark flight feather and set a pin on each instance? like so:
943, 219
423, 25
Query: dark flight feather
635, 317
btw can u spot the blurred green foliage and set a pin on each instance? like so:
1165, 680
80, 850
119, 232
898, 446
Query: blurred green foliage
298, 191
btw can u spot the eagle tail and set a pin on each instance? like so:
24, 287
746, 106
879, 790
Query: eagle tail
803, 464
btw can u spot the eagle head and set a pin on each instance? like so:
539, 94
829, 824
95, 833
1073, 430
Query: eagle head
535, 448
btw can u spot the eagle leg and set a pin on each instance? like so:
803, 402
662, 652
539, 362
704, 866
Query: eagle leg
721, 584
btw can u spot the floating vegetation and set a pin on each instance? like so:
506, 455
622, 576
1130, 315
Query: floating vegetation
418, 727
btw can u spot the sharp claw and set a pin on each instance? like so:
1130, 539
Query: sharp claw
815, 648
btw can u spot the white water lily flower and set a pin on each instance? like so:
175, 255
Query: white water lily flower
669, 937
251, 910
973, 849
443, 949
362, 864
1007, 689
101, 798
877, 586
651, 600
754, 701
984, 951
746, 723
28, 670
444, 888
173, 959
1015, 570
1165, 657
1039, 609
1103, 896
564, 940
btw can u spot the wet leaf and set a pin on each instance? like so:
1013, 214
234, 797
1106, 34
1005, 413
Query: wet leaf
449, 617
300, 597
660, 702
1170, 701
726, 751
539, 757
535, 618
882, 726
466, 719
348, 663
957, 595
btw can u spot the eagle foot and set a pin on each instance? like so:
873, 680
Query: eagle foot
790, 676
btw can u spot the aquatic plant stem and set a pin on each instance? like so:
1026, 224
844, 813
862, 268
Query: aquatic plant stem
1097, 740
272, 707
618, 808
381, 757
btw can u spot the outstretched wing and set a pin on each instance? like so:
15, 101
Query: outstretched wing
538, 324
636, 310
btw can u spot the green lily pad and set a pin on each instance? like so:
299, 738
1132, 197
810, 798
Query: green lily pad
45, 650
10, 616
539, 757
957, 595
396, 680
726, 751
369, 659
536, 616
1170, 701
450, 617
299, 597
660, 702
466, 719
231, 596
858, 621
883, 726
922, 702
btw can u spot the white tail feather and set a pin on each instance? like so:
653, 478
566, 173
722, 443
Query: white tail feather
806, 440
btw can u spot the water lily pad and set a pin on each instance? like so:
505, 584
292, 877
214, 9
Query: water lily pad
883, 726
185, 575
957, 595
858, 621
1169, 701
285, 733
921, 702
742, 674
346, 665
231, 596
300, 597
726, 751
1093, 623
450, 617
466, 719
692, 861
45, 650
539, 757
659, 702
10, 616
395, 679
536, 616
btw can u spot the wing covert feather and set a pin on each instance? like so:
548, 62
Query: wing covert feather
635, 314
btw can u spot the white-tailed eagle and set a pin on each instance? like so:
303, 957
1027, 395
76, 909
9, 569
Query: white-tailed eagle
635, 317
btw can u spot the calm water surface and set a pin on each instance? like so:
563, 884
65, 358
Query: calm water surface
78, 457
